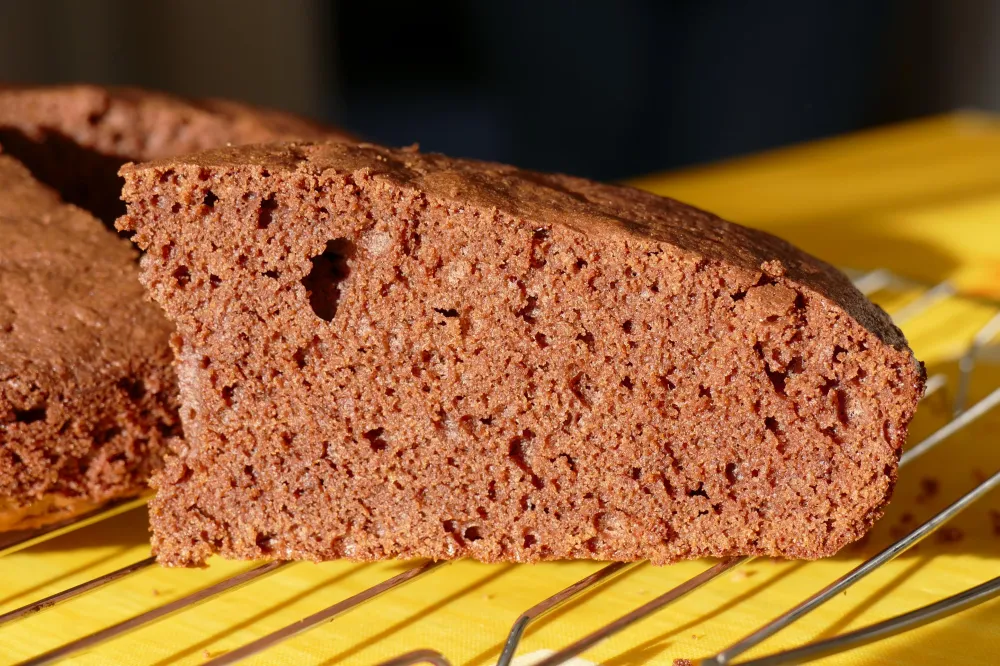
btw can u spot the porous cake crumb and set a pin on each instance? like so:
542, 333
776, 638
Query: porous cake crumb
384, 353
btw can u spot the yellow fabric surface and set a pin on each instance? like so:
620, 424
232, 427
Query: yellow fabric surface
922, 199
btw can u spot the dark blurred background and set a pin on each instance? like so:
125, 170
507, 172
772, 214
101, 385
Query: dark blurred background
601, 89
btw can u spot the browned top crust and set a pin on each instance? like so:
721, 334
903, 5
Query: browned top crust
75, 137
70, 303
143, 124
548, 199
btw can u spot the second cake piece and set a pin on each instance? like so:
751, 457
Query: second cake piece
389, 354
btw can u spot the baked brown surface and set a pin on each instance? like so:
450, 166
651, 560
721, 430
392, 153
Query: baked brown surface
76, 137
389, 354
88, 400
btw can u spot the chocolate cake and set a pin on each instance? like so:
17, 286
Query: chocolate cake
76, 137
384, 353
88, 401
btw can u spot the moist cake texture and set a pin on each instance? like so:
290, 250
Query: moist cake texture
384, 353
88, 400
76, 137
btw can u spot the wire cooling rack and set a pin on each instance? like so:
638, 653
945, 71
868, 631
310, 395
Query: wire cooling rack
912, 300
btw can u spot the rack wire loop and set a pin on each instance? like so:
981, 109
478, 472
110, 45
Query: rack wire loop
555, 601
432, 657
642, 612
853, 576
893, 626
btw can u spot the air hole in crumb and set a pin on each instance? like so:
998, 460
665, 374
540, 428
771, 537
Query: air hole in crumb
832, 433
732, 473
842, 412
777, 379
698, 492
135, 389
541, 340
329, 270
530, 540
375, 439
837, 351
450, 312
33, 415
227, 396
636, 473
627, 382
210, 199
300, 358
570, 461
579, 386
527, 313
214, 280
472, 534
593, 545
272, 274
704, 391
580, 264
183, 276
627, 326
450, 526
263, 542
587, 338
166, 251
666, 383
175, 208
771, 424
266, 213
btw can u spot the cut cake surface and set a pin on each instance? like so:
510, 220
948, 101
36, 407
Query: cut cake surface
384, 353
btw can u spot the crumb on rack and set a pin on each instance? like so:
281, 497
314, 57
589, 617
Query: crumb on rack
929, 487
995, 519
950, 535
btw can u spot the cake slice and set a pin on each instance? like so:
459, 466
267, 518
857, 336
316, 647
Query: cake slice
384, 353
76, 137
88, 400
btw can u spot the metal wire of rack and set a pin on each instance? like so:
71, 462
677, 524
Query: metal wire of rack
868, 283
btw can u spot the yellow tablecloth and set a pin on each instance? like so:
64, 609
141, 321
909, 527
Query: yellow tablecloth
922, 199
